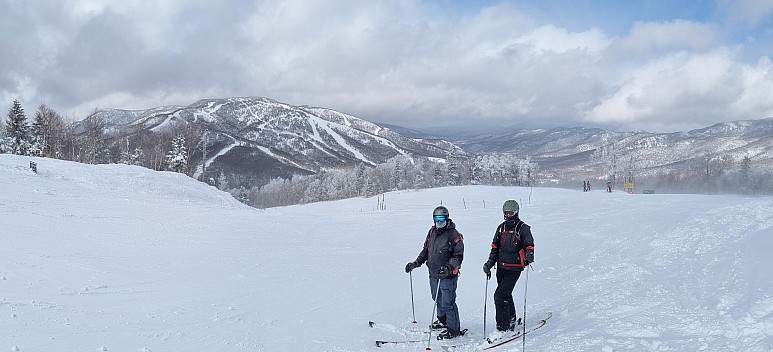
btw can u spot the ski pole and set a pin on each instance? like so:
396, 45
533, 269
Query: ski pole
437, 293
413, 307
525, 290
485, 301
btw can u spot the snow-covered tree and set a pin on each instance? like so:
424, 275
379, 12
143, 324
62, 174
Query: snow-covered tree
475, 173
37, 136
125, 157
204, 147
611, 155
437, 175
137, 157
397, 175
527, 172
454, 179
177, 158
360, 179
17, 130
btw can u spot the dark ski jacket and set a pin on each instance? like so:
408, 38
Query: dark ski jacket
511, 241
442, 246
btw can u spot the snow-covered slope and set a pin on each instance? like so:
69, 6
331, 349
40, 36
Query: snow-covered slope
120, 258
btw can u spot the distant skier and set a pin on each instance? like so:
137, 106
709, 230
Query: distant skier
443, 252
512, 249
609, 186
584, 186
588, 186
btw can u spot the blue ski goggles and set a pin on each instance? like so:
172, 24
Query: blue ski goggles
439, 218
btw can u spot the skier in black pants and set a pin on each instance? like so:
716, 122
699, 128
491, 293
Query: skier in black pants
443, 252
512, 250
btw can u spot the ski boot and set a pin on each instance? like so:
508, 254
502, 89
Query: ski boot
448, 334
437, 325
514, 323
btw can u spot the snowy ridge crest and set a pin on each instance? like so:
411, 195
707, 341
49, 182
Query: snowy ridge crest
301, 139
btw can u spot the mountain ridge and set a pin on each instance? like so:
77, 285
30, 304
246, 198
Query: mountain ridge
299, 139
260, 139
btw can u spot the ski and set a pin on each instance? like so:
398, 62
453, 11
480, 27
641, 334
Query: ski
493, 343
395, 328
518, 336
380, 343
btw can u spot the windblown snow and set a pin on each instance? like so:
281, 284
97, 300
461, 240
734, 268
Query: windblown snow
121, 258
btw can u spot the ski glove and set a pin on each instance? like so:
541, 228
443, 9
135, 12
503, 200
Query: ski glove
410, 266
445, 271
487, 268
529, 257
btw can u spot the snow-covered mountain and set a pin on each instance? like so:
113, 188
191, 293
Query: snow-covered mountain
568, 151
257, 139
262, 138
122, 258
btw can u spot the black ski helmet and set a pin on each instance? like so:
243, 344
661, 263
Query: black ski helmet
442, 211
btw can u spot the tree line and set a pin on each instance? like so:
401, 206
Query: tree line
398, 173
622, 161
93, 141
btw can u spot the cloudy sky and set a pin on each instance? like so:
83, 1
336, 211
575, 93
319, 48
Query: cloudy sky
659, 65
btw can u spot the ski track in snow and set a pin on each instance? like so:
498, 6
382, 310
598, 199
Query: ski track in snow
121, 258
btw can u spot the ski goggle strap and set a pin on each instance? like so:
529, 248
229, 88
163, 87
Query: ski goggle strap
439, 218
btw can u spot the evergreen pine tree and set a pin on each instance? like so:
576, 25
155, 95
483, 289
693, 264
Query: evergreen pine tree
361, 180
137, 157
17, 130
475, 173
437, 176
36, 137
177, 158
370, 186
453, 170
397, 176
4, 142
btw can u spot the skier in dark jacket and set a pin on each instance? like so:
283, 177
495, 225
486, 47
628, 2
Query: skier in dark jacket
443, 252
511, 250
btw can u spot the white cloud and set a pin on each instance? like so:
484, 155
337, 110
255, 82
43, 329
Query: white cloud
755, 99
403, 62
550, 38
689, 89
752, 12
678, 34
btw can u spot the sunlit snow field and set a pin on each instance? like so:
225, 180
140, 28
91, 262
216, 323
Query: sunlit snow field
121, 258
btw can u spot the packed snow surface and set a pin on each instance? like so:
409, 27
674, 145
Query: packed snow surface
121, 258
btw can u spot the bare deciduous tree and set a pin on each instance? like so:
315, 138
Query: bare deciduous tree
52, 129
93, 136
